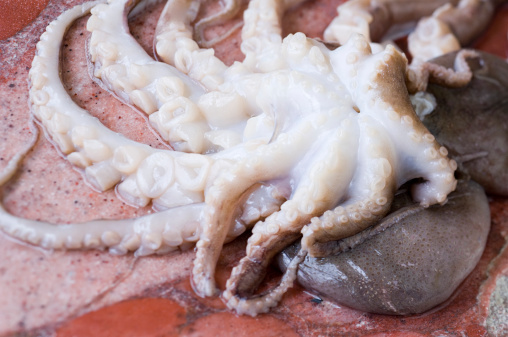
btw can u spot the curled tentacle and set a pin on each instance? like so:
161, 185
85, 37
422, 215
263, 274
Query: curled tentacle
373, 19
383, 105
450, 27
261, 33
175, 45
262, 303
422, 73
336, 129
223, 195
328, 248
227, 13
122, 66
373, 187
143, 174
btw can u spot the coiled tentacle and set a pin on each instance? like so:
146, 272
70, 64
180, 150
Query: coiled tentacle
108, 159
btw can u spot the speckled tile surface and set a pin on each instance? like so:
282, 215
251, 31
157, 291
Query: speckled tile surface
97, 294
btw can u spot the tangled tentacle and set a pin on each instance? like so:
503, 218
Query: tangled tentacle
334, 130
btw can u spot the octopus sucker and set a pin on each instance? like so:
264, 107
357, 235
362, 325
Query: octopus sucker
297, 142
175, 45
121, 65
108, 159
296, 212
482, 157
443, 26
225, 191
445, 31
117, 235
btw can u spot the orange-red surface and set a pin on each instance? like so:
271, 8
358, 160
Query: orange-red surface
16, 14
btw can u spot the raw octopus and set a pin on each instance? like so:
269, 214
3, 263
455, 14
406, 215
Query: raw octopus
426, 276
245, 140
414, 260
482, 151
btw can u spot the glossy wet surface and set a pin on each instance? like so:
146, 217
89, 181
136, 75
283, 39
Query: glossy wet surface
98, 294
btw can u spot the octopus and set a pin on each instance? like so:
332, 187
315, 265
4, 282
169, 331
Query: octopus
298, 141
395, 272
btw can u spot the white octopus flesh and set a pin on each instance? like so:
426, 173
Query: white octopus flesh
297, 141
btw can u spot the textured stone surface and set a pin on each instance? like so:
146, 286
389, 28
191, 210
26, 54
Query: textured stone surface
65, 293
16, 14
497, 321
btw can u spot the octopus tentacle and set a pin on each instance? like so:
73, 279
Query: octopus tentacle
427, 72
159, 90
444, 26
223, 195
262, 303
350, 242
318, 190
222, 110
159, 233
109, 159
432, 37
175, 45
71, 128
12, 165
372, 190
261, 33
372, 19
228, 12
178, 107
219, 216
148, 234
435, 167
155, 233
385, 101
449, 27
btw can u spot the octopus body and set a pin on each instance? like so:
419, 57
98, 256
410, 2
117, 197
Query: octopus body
297, 142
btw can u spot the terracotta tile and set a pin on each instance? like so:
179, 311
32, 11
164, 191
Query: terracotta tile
134, 318
227, 324
491, 40
16, 14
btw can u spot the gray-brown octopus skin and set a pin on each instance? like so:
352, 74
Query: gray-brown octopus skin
472, 122
415, 261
